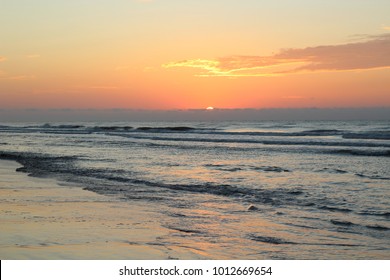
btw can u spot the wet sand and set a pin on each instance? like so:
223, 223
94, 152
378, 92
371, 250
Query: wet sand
44, 219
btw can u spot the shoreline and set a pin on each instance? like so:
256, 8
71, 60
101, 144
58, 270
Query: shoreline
44, 219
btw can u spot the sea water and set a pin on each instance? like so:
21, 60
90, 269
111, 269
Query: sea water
230, 190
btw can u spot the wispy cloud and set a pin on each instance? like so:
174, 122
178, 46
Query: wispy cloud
232, 66
373, 53
2, 58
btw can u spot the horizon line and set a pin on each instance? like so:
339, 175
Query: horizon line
192, 109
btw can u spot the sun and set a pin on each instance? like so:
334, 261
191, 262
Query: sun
210, 108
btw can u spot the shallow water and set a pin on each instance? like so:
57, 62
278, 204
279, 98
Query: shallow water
275, 190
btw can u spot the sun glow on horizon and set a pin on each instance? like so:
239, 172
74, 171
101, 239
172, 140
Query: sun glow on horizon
210, 108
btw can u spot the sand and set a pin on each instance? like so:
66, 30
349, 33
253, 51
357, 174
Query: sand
41, 218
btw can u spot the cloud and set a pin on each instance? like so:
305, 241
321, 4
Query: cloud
373, 53
2, 58
386, 27
233, 66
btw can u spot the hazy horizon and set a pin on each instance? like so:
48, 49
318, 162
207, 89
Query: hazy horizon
218, 114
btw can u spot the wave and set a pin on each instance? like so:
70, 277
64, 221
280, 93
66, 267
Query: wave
333, 170
294, 142
281, 241
350, 224
378, 135
382, 135
111, 128
39, 164
226, 135
356, 152
372, 177
271, 169
223, 167
335, 209
342, 223
351, 148
167, 129
64, 126
78, 127
120, 181
107, 182
125, 183
184, 230
270, 240
378, 227
229, 168
117, 128
375, 213
322, 132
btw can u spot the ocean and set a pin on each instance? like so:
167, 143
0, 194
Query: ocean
234, 190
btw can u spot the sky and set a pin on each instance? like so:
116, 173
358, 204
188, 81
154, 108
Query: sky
192, 54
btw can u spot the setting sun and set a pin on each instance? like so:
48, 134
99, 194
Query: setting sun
210, 108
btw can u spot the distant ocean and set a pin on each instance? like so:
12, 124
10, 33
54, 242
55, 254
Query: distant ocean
248, 190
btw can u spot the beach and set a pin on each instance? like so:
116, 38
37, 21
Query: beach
42, 219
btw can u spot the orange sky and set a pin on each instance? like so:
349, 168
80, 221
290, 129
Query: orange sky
171, 54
